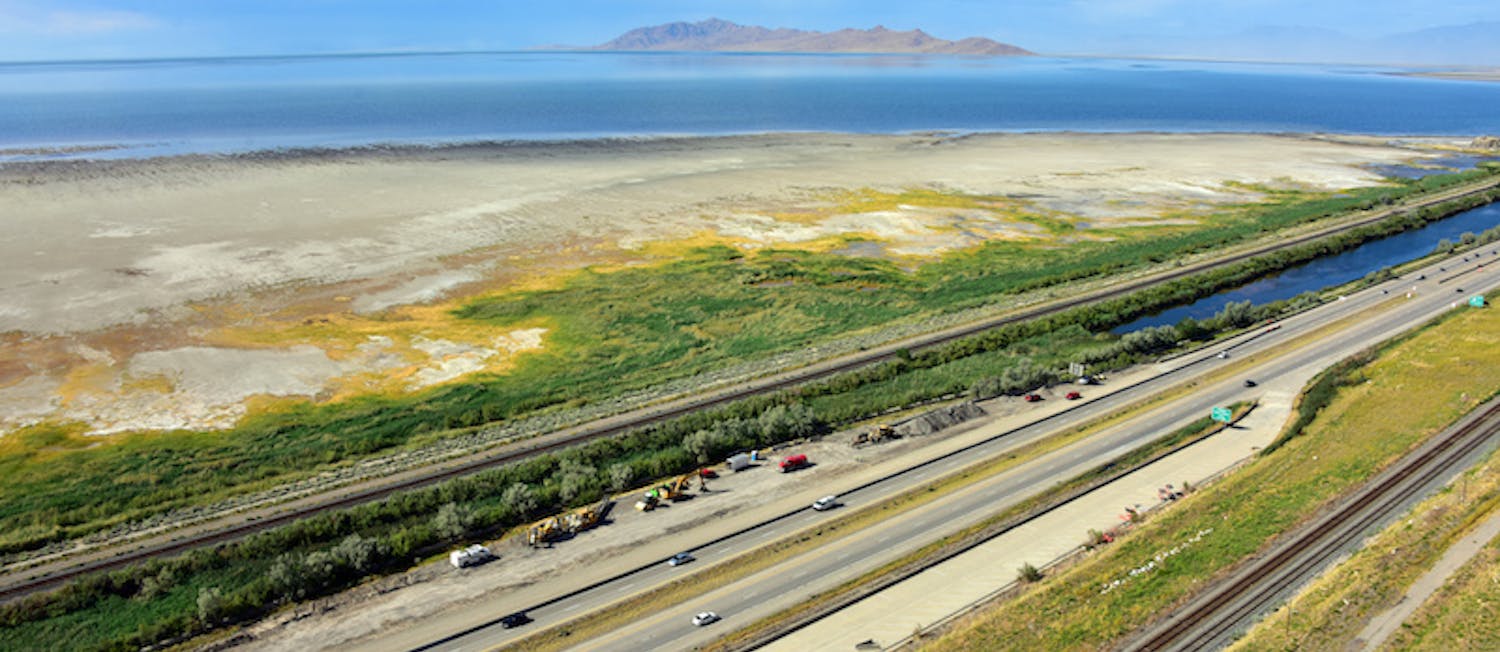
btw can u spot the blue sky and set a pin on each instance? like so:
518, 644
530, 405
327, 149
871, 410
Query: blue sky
72, 29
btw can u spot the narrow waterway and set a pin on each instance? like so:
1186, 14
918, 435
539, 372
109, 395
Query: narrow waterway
1338, 269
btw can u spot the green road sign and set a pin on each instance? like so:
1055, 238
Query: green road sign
1477, 301
1221, 414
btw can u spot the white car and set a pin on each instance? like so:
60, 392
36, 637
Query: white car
705, 618
825, 503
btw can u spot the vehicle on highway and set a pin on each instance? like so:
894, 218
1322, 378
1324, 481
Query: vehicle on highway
516, 619
1073, 396
1223, 355
1249, 383
825, 503
794, 462
680, 559
705, 618
1032, 398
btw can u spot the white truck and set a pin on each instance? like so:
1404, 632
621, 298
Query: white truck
471, 556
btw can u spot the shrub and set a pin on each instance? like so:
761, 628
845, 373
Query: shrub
1029, 574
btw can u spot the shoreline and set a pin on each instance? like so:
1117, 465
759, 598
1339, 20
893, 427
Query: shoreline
27, 156
171, 292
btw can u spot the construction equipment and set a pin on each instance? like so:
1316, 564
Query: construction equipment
677, 489
875, 435
566, 525
648, 502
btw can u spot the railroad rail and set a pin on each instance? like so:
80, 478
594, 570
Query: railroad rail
1211, 620
505, 454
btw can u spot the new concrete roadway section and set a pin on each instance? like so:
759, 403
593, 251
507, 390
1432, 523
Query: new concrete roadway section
763, 593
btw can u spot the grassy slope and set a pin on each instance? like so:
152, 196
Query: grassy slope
613, 332
1462, 614
1413, 390
115, 612
1332, 611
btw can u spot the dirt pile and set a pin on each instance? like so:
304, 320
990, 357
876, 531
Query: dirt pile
944, 417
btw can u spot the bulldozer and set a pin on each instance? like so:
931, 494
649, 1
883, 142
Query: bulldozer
875, 435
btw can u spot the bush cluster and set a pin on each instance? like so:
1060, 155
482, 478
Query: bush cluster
331, 551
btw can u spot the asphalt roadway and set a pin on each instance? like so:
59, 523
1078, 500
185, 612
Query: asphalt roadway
764, 593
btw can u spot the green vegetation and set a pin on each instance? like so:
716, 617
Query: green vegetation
1461, 615
986, 529
1414, 387
613, 332
1331, 612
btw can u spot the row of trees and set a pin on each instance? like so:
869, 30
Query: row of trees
331, 551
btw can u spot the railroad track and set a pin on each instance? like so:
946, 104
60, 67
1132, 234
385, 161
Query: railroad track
10, 590
1211, 620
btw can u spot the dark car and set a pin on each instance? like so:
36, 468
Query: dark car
515, 620
1249, 383
679, 559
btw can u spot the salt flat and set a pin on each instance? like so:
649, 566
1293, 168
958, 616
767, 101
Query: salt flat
108, 261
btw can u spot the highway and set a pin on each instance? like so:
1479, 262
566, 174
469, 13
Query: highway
23, 578
761, 594
1216, 617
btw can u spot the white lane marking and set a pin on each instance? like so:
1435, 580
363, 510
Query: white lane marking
575, 607
627, 586
883, 539
767, 535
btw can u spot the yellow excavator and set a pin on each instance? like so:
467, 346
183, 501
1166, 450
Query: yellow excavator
677, 489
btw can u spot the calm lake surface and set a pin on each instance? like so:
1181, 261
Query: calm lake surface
226, 105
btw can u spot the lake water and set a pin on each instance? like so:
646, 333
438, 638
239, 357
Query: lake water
227, 105
1330, 271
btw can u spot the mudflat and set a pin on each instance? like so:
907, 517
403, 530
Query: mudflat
129, 287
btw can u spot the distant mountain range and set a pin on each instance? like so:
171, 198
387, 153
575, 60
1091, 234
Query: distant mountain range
716, 35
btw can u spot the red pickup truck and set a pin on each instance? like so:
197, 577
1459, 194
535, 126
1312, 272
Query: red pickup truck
793, 462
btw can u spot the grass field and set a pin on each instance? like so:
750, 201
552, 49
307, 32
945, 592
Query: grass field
1462, 614
334, 550
609, 332
1332, 611
1413, 389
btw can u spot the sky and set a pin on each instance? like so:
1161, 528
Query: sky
1333, 30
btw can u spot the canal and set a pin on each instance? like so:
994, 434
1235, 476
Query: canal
1338, 269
